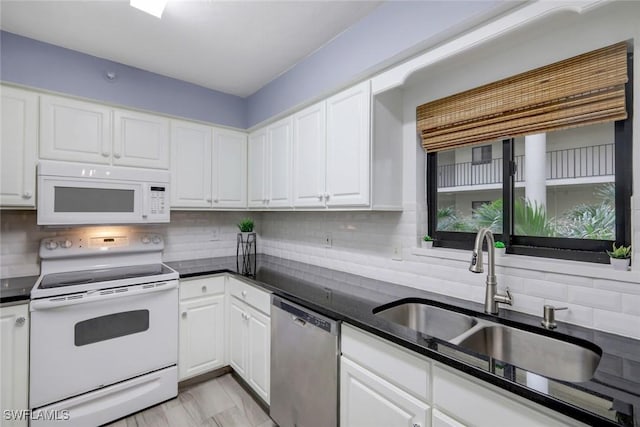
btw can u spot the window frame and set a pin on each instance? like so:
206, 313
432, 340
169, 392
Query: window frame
589, 250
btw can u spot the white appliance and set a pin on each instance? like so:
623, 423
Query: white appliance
76, 193
104, 329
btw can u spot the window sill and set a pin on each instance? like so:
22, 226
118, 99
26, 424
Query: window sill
546, 265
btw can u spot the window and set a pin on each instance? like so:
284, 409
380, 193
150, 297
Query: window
560, 190
563, 194
481, 155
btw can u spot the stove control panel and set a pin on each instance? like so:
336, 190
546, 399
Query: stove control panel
79, 245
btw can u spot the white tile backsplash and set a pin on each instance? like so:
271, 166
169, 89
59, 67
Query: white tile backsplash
367, 252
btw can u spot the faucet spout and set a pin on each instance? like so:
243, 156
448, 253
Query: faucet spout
492, 298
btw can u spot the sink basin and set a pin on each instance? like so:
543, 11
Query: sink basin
428, 319
544, 355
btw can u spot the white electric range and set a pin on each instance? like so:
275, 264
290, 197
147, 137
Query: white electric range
104, 329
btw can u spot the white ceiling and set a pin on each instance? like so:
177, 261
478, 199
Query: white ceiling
232, 46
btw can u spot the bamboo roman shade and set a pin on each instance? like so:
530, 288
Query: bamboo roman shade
582, 90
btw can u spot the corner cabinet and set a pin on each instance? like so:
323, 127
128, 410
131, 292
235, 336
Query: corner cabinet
202, 326
208, 167
249, 339
270, 156
18, 148
14, 349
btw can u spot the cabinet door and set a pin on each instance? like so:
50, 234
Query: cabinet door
191, 156
367, 400
259, 352
442, 420
309, 165
14, 363
229, 169
201, 336
348, 147
18, 145
279, 136
258, 169
74, 130
140, 140
238, 319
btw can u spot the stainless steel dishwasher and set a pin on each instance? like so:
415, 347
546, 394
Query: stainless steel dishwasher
304, 366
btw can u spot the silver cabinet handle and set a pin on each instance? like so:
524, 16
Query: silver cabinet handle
105, 154
320, 196
184, 314
27, 195
244, 294
204, 289
326, 196
116, 155
209, 200
215, 200
20, 321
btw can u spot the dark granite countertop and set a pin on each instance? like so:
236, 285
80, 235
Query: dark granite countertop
16, 289
611, 397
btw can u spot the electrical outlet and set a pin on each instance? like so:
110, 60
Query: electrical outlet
396, 252
328, 240
215, 234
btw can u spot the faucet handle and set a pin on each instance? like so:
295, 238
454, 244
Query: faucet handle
549, 316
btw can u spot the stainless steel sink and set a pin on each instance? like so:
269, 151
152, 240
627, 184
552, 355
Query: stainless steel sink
428, 319
544, 355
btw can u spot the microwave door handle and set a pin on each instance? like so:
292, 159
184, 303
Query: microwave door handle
50, 303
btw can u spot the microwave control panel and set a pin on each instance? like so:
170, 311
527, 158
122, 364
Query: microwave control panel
159, 202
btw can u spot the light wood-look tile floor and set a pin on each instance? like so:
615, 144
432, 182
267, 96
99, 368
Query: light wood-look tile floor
220, 402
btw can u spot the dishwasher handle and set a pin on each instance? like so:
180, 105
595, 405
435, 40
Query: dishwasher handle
304, 317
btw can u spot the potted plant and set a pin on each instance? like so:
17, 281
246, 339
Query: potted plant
246, 225
426, 242
620, 257
500, 248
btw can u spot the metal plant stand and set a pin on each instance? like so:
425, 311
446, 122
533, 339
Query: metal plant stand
246, 254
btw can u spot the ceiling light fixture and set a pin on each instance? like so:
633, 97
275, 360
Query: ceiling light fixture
152, 7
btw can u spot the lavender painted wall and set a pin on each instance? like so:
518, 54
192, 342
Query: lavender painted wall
391, 32
46, 66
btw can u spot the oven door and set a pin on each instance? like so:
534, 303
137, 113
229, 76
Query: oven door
88, 341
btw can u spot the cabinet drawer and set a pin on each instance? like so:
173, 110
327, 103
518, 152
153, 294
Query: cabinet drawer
194, 288
394, 364
251, 295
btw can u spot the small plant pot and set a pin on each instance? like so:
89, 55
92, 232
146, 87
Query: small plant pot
426, 245
500, 252
621, 264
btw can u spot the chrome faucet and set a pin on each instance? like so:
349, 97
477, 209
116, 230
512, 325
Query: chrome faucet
492, 297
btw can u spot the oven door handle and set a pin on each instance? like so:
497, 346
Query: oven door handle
55, 302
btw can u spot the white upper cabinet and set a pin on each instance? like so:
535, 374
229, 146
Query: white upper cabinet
81, 131
208, 166
140, 140
229, 169
18, 146
258, 169
348, 147
309, 166
191, 151
74, 130
279, 137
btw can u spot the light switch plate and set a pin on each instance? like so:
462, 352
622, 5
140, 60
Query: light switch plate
215, 234
396, 251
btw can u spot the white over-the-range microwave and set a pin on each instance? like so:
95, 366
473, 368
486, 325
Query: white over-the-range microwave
76, 193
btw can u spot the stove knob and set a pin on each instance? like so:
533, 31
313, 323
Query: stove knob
156, 239
146, 240
66, 244
51, 244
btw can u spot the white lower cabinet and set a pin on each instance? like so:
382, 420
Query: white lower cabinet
366, 400
14, 360
202, 326
250, 335
382, 384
